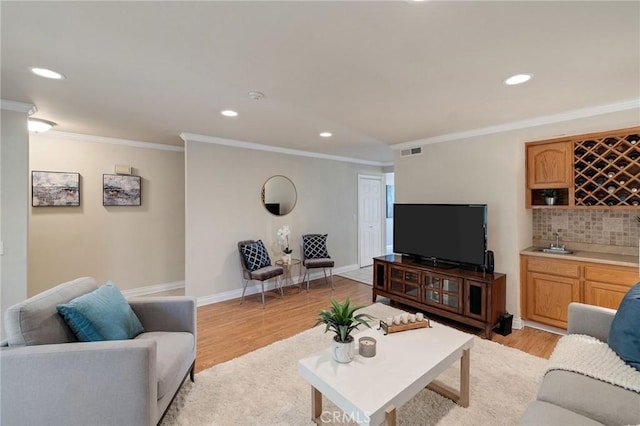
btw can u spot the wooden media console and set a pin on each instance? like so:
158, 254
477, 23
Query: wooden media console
473, 298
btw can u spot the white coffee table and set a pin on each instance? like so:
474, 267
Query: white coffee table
368, 390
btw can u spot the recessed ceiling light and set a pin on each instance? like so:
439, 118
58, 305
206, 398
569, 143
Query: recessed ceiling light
37, 125
229, 113
46, 73
518, 79
325, 134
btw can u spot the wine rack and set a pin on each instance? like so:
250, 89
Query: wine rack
607, 171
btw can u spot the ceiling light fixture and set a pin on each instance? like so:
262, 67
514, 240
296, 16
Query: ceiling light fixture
255, 95
325, 134
47, 73
37, 125
518, 79
229, 113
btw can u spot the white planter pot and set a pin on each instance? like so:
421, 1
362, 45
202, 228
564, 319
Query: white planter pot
550, 201
286, 258
343, 352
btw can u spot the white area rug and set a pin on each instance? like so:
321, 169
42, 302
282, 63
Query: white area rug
264, 388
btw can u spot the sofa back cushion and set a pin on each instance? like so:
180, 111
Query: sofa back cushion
36, 320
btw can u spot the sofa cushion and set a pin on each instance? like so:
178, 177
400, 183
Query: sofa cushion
175, 354
590, 397
315, 246
103, 314
255, 255
544, 413
624, 335
35, 321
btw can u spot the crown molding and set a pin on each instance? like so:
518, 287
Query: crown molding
114, 141
287, 151
516, 125
29, 109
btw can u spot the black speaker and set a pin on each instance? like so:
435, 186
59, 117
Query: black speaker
489, 263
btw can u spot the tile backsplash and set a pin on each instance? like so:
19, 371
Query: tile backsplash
608, 227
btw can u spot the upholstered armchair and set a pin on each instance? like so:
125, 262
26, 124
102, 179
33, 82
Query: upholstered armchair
48, 377
256, 266
315, 256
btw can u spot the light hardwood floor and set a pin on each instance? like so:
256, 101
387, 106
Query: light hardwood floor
229, 329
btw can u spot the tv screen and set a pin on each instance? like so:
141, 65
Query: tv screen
446, 232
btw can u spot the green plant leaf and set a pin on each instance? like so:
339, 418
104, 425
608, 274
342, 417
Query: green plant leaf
341, 318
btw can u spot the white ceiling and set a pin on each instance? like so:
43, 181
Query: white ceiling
374, 74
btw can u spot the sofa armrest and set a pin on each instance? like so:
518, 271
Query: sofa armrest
96, 383
590, 320
170, 313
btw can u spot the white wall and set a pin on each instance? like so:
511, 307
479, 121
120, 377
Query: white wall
132, 246
491, 169
14, 189
223, 207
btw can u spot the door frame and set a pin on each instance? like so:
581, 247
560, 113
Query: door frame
381, 179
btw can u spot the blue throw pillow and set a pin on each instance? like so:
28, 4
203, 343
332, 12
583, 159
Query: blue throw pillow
255, 255
103, 314
624, 335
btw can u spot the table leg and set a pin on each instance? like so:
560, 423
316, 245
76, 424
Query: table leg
316, 405
465, 384
461, 396
390, 416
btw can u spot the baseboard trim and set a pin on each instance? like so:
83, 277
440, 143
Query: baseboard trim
151, 289
254, 286
544, 327
518, 323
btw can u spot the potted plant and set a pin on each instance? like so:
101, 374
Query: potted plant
342, 320
283, 239
550, 196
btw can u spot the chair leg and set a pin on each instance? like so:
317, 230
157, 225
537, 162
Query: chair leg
262, 284
243, 290
192, 372
331, 274
308, 274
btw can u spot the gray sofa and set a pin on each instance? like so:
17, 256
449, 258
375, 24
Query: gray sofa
567, 398
49, 378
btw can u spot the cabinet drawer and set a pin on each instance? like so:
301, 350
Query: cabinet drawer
554, 267
611, 274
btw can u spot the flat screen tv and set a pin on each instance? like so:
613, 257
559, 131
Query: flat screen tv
453, 234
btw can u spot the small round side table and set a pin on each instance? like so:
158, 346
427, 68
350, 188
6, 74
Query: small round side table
287, 269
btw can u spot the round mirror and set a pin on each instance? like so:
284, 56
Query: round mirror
279, 195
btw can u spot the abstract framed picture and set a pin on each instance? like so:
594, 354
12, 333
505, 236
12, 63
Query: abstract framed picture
121, 190
55, 189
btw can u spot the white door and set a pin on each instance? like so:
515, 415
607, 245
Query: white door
370, 207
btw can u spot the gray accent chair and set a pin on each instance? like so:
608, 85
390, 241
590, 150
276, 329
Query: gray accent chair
261, 274
316, 263
567, 398
49, 378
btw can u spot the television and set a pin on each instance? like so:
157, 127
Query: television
442, 234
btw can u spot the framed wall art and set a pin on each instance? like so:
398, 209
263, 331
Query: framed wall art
55, 189
121, 190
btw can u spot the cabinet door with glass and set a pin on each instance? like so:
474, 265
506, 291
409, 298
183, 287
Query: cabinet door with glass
442, 291
404, 282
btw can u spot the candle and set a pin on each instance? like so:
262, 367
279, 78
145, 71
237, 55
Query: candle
412, 318
419, 316
367, 347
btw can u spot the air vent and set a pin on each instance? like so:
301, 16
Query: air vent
410, 152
